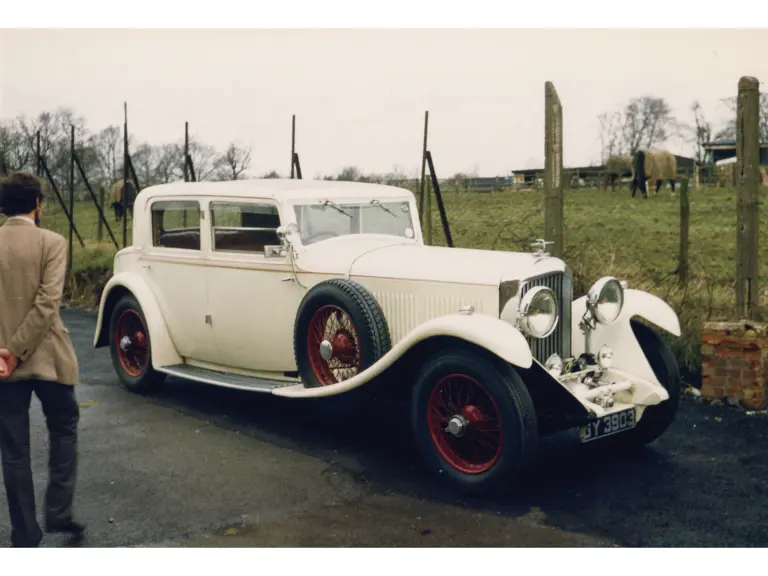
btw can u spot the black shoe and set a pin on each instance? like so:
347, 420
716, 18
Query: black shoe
72, 527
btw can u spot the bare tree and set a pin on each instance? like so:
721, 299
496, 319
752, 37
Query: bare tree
169, 166
645, 122
14, 153
234, 162
610, 134
108, 144
349, 174
701, 130
728, 132
204, 159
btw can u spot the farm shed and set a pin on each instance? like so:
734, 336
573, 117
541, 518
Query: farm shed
725, 149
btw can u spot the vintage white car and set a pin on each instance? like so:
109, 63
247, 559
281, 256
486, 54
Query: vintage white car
305, 289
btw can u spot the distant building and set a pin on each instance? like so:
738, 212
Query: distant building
581, 175
725, 149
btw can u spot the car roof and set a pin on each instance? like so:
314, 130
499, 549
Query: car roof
279, 189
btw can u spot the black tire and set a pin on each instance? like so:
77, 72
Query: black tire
511, 402
141, 378
656, 419
364, 345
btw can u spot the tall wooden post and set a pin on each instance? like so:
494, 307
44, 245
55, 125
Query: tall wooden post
71, 194
553, 162
423, 165
685, 217
293, 145
125, 173
428, 214
748, 179
100, 229
38, 170
186, 151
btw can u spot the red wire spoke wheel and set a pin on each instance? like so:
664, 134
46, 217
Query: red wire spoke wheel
473, 418
333, 346
465, 424
130, 346
340, 331
131, 337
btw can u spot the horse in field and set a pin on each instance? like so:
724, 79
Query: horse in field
657, 165
616, 167
116, 198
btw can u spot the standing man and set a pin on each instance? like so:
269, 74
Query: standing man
38, 357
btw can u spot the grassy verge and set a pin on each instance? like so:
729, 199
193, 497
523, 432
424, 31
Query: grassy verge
607, 233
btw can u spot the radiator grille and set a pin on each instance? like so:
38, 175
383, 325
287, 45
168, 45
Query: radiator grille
560, 340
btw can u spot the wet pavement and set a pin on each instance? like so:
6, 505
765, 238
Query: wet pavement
196, 465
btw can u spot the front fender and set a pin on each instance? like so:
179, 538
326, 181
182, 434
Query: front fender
496, 336
627, 354
162, 348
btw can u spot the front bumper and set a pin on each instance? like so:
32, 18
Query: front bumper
605, 392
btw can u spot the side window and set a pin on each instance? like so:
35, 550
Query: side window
176, 224
244, 226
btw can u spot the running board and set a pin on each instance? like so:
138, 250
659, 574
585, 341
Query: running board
225, 379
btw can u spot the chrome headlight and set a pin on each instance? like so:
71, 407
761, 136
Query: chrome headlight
538, 315
606, 299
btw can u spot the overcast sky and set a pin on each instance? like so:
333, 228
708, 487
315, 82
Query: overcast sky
360, 95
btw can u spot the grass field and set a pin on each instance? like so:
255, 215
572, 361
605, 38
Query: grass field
607, 233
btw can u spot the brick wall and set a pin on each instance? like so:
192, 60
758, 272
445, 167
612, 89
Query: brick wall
734, 359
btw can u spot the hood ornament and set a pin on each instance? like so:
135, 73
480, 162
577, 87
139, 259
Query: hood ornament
540, 246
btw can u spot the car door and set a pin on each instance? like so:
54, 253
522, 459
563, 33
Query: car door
252, 304
173, 263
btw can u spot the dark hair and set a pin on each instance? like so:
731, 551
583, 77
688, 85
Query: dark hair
19, 193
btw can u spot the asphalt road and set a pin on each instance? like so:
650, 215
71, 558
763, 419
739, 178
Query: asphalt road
201, 466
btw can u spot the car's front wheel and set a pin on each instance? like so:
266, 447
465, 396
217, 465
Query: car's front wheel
473, 419
129, 345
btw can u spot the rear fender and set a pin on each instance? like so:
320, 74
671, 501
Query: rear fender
162, 348
494, 335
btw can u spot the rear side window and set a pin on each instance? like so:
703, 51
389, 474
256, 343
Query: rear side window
244, 226
176, 224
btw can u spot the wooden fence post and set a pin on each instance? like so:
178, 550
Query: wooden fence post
293, 146
125, 173
553, 169
100, 230
428, 190
747, 179
423, 165
685, 217
71, 196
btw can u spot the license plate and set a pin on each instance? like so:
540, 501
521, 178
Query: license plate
608, 425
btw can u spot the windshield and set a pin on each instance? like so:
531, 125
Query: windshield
327, 219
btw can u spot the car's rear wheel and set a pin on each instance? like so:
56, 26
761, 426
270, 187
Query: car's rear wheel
656, 419
340, 331
473, 419
130, 347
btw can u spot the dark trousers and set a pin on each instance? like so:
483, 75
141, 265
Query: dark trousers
62, 415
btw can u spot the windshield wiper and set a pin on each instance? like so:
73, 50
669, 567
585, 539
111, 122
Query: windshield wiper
375, 202
336, 207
